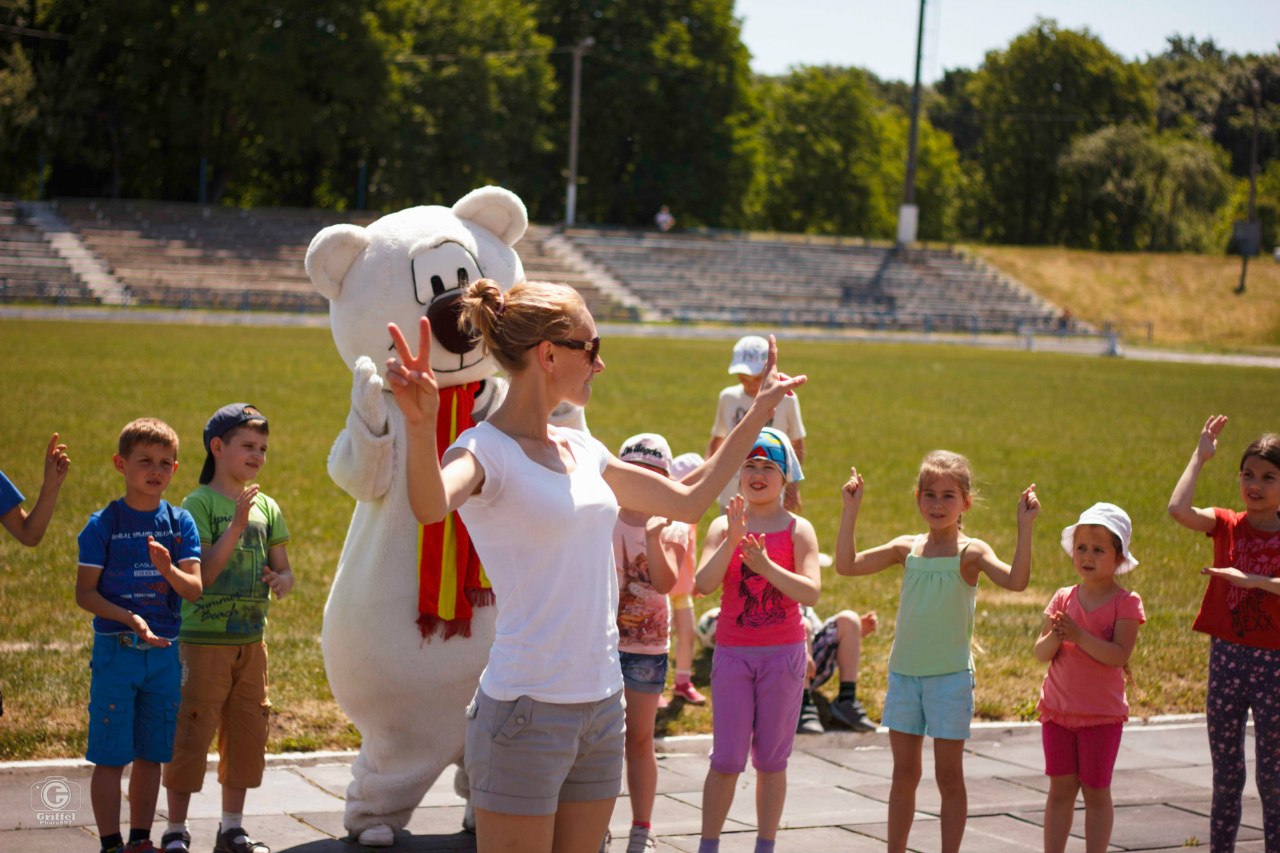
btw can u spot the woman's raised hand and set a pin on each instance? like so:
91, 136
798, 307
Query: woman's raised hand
774, 385
413, 383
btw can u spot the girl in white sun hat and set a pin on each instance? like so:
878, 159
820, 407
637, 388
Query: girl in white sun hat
1087, 636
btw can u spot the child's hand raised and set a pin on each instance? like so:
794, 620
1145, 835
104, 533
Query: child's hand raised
56, 462
160, 557
774, 385
1208, 444
737, 518
244, 503
1028, 505
851, 492
413, 383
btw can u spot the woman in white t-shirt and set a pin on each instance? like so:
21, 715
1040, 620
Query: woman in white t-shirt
544, 748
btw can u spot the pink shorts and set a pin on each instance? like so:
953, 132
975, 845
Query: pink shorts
1088, 752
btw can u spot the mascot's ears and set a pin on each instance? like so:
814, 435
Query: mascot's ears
331, 254
498, 210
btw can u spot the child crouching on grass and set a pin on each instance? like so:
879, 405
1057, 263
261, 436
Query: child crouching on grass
1087, 636
766, 560
138, 557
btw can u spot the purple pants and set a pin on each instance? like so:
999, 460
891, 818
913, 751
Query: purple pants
755, 705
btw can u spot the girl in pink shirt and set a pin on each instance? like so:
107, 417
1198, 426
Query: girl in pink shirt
1087, 636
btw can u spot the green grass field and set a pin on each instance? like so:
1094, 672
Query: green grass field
1083, 429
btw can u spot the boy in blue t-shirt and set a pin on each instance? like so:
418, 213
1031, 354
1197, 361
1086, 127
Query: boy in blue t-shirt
129, 581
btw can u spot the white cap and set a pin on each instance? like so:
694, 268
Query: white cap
647, 448
684, 464
1111, 517
749, 355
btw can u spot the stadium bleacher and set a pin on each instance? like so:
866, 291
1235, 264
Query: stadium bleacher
193, 256
776, 280
30, 269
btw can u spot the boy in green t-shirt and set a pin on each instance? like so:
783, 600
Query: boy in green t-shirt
224, 659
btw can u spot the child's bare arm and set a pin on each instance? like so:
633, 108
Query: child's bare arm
278, 573
664, 555
29, 528
1235, 577
1017, 575
1048, 643
88, 598
214, 557
848, 560
804, 585
184, 577
1114, 653
718, 549
1180, 508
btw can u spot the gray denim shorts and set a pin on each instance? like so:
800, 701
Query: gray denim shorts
525, 757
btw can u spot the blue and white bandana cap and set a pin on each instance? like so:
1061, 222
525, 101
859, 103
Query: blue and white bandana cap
774, 445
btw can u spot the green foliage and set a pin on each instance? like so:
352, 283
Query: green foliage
1018, 416
1266, 208
1048, 87
1127, 187
667, 110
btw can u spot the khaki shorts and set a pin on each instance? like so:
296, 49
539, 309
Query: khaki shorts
525, 757
224, 692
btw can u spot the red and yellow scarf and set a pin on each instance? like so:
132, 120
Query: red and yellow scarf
450, 578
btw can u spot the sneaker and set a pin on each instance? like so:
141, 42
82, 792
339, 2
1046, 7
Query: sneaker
810, 723
143, 846
236, 840
688, 693
175, 842
606, 841
851, 714
641, 841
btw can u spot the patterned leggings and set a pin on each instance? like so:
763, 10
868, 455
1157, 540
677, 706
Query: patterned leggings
1243, 678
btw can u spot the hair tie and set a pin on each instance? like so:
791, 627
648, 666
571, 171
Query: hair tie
502, 305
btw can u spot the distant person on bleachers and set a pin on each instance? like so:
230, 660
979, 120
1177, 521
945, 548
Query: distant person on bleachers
1066, 323
664, 219
749, 355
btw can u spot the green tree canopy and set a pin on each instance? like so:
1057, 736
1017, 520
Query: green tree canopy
1049, 86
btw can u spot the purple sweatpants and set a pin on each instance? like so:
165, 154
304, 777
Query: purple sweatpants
755, 705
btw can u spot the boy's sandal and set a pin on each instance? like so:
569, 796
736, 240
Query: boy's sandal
236, 840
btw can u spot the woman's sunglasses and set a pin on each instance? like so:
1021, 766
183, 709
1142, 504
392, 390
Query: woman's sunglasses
591, 347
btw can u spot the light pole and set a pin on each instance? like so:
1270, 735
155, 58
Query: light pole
909, 213
571, 191
1253, 234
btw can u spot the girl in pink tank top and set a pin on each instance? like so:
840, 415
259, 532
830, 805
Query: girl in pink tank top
766, 560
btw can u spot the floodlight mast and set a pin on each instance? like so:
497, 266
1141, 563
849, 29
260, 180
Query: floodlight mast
571, 191
908, 212
1252, 241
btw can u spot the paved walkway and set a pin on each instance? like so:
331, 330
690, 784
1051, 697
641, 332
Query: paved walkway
839, 786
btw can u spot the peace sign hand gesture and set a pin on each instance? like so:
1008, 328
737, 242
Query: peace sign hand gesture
412, 381
774, 385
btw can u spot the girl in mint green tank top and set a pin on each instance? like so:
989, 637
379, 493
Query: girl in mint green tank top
930, 666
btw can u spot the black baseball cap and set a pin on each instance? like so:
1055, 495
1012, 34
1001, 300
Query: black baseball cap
223, 421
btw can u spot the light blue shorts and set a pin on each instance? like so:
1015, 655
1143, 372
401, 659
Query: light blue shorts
940, 706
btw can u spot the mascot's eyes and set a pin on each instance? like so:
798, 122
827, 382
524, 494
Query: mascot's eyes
446, 269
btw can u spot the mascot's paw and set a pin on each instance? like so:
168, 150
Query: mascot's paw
378, 836
367, 398
469, 819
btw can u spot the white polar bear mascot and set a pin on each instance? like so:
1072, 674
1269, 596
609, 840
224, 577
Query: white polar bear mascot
406, 633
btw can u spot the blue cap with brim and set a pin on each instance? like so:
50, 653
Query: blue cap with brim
223, 421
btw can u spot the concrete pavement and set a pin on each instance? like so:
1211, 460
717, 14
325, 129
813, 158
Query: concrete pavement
837, 795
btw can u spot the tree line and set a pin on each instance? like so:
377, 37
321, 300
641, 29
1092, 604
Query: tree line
1053, 139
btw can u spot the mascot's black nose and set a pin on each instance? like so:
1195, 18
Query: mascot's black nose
453, 333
